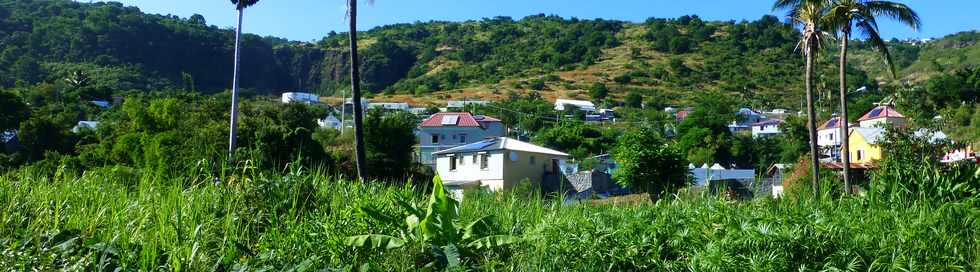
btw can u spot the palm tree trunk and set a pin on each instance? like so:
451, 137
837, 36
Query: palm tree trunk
811, 122
355, 83
845, 148
233, 130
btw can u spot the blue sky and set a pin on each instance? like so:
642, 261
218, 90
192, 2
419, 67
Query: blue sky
308, 20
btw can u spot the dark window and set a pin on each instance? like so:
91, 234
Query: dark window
435, 138
484, 161
452, 163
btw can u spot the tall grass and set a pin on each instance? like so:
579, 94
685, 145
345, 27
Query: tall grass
298, 220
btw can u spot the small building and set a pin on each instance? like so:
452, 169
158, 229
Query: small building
582, 105
864, 144
457, 105
829, 138
348, 106
766, 128
496, 164
446, 130
329, 122
882, 116
390, 106
702, 175
588, 184
681, 115
300, 97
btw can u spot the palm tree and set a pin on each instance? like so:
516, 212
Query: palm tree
847, 15
808, 14
240, 5
355, 83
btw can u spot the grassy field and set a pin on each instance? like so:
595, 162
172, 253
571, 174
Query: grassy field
300, 220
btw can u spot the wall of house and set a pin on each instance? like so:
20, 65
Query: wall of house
469, 170
766, 130
859, 144
828, 137
450, 137
521, 168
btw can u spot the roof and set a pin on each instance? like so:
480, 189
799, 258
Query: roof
882, 111
872, 135
830, 124
581, 181
768, 122
501, 143
457, 119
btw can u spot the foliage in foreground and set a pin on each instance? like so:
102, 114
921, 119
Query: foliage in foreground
106, 219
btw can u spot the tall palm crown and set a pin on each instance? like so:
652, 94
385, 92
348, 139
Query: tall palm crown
809, 14
845, 16
241, 4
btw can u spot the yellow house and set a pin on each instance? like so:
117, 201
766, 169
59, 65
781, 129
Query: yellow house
864, 144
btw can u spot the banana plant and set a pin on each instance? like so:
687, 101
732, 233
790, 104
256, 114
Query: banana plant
435, 230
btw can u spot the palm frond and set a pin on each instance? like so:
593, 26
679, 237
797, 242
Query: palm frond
876, 42
896, 11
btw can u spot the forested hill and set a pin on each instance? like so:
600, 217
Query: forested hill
121, 48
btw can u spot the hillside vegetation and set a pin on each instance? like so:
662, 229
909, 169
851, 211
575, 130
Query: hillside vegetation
665, 60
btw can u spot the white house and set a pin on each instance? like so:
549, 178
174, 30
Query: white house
348, 106
460, 104
329, 122
766, 128
300, 97
495, 164
582, 105
390, 106
744, 119
882, 116
446, 130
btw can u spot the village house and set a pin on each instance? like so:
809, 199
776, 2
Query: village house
864, 144
458, 105
495, 164
882, 116
744, 119
766, 128
829, 138
582, 105
390, 106
329, 122
348, 106
446, 130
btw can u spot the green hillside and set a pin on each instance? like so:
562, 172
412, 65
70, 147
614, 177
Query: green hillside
666, 60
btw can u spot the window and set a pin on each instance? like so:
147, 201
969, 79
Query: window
531, 159
435, 138
860, 155
452, 163
513, 156
462, 138
461, 161
474, 158
484, 161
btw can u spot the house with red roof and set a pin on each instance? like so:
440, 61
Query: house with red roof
882, 116
447, 130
